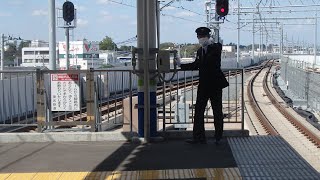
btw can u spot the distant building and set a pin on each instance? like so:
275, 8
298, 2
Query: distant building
109, 57
83, 54
229, 48
37, 55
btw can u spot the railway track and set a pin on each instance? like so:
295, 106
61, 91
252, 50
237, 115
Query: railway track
276, 119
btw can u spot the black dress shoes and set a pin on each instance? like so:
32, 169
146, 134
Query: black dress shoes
196, 141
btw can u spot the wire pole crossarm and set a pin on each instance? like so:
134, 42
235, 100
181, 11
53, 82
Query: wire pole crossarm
270, 7
281, 18
276, 11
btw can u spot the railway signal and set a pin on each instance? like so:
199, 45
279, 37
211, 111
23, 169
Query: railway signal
68, 11
222, 7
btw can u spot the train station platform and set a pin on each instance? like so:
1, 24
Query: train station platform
255, 157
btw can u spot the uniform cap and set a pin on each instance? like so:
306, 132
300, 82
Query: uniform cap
203, 31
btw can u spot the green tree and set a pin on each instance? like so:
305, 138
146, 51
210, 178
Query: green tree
22, 45
107, 44
189, 50
166, 45
125, 48
10, 53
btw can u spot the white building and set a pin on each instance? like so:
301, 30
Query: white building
37, 55
228, 48
109, 57
84, 54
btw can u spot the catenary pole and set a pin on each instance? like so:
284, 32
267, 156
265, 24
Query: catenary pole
52, 35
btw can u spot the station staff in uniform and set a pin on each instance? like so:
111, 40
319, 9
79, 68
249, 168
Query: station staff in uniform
211, 83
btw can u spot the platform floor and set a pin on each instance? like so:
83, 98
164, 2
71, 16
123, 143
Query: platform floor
263, 157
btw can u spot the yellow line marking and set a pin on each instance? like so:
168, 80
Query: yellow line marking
155, 174
114, 175
73, 175
187, 173
234, 173
93, 175
208, 171
48, 176
176, 173
214, 173
19, 176
170, 173
200, 173
217, 173
4, 176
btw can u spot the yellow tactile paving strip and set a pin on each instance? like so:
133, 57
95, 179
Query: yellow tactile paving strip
209, 173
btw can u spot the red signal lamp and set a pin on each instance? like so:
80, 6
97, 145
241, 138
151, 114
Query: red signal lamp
222, 10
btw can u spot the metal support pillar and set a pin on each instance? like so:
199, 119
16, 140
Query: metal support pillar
315, 40
260, 43
146, 78
281, 41
2, 55
238, 36
67, 48
253, 38
90, 99
146, 30
52, 35
216, 30
40, 100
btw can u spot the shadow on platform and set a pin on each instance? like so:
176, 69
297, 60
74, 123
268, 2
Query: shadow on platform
170, 154
113, 156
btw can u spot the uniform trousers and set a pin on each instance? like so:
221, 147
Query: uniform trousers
215, 96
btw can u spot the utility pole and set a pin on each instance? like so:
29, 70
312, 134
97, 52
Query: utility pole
52, 35
253, 37
146, 33
238, 35
260, 42
315, 40
2, 54
67, 47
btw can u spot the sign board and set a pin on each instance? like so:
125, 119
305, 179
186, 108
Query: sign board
80, 47
65, 92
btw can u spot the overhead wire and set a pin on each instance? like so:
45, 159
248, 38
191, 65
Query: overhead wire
121, 3
182, 18
183, 8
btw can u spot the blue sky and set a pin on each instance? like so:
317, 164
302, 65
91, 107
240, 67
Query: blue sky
98, 18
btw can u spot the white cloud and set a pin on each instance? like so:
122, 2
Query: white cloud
5, 14
170, 8
103, 2
133, 23
16, 2
106, 16
82, 22
80, 8
184, 14
124, 17
39, 12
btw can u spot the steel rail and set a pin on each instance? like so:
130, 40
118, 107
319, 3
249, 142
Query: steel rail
302, 128
256, 108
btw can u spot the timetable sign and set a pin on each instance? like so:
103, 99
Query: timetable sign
65, 92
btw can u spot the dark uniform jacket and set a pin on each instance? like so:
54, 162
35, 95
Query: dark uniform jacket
209, 65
